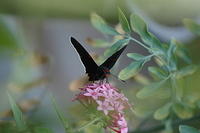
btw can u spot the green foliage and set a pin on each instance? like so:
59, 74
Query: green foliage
42, 130
130, 70
151, 89
61, 116
188, 70
8, 39
192, 26
169, 89
163, 112
182, 111
124, 22
115, 47
94, 129
136, 56
98, 43
181, 51
157, 72
187, 129
139, 26
171, 59
21, 124
101, 25
8, 127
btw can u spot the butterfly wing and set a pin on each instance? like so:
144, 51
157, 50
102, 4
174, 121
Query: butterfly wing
90, 65
110, 62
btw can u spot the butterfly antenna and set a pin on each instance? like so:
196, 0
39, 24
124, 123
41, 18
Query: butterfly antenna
117, 78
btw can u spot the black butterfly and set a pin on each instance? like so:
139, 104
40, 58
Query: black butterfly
94, 71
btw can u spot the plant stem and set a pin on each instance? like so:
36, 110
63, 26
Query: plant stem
162, 126
88, 124
143, 45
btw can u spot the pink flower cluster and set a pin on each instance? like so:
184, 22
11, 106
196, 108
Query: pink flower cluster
108, 100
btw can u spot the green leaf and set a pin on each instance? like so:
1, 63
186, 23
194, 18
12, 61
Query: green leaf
192, 26
131, 70
123, 21
182, 111
168, 126
101, 25
150, 90
60, 116
97, 43
8, 127
141, 79
162, 112
187, 129
115, 47
162, 93
177, 85
171, 49
160, 61
21, 124
142, 111
139, 26
157, 72
136, 56
42, 130
8, 39
171, 56
182, 52
188, 70
198, 103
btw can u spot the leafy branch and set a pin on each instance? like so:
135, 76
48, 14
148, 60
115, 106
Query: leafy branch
168, 73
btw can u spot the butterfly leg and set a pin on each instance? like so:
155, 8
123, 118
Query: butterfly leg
107, 80
100, 82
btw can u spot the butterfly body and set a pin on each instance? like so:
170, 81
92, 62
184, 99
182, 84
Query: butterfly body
94, 71
99, 74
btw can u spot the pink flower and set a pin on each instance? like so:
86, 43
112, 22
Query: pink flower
119, 107
123, 125
93, 93
122, 122
109, 100
104, 106
119, 124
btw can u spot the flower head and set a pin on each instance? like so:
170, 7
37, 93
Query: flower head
107, 100
104, 106
94, 93
119, 124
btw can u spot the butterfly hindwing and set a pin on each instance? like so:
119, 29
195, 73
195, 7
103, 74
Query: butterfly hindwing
90, 65
110, 62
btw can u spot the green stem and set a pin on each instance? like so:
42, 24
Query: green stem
173, 89
90, 123
82, 103
143, 45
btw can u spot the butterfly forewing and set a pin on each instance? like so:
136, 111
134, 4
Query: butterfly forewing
110, 62
89, 63
94, 71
